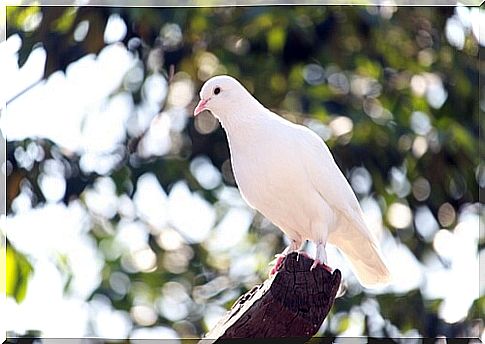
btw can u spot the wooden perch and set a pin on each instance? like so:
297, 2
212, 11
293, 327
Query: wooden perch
291, 304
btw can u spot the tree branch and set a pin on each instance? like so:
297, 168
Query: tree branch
292, 304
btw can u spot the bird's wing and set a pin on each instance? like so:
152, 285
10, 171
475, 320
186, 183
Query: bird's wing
324, 173
352, 237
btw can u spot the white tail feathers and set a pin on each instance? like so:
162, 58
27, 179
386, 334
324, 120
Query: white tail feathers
367, 264
358, 246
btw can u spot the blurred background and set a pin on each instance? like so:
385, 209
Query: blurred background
124, 220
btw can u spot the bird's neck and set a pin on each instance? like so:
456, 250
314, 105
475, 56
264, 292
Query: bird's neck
241, 119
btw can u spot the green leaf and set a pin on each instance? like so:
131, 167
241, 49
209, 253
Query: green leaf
276, 39
18, 273
65, 22
3, 265
344, 324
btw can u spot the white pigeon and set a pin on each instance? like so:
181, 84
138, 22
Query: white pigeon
286, 172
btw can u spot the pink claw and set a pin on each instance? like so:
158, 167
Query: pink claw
317, 262
277, 265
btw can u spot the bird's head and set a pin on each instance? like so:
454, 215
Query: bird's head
223, 95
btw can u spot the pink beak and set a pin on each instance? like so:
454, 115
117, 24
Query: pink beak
200, 107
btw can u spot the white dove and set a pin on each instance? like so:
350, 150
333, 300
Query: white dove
286, 172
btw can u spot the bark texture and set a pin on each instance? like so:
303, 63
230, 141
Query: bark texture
292, 304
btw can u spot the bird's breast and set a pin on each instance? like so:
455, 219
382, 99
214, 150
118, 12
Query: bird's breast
272, 180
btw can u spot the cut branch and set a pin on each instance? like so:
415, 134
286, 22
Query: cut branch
292, 304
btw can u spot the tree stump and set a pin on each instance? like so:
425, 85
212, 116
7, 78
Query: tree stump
292, 304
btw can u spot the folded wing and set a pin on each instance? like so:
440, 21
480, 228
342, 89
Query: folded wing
352, 237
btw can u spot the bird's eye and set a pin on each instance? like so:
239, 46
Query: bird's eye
217, 90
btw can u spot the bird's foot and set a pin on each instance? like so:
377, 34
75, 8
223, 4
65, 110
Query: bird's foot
302, 253
294, 246
277, 265
317, 262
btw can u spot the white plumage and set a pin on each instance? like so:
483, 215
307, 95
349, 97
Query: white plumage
287, 172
